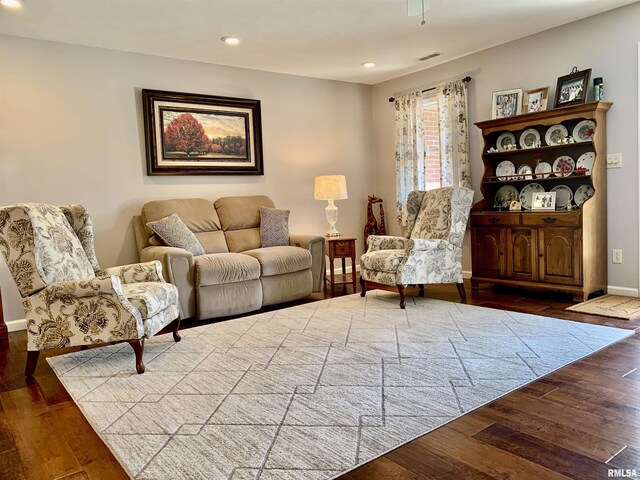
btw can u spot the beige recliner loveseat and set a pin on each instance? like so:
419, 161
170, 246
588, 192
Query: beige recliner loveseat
236, 275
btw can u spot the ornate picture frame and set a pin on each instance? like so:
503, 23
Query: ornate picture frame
193, 134
572, 89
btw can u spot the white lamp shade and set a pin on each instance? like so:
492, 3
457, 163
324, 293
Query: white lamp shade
330, 187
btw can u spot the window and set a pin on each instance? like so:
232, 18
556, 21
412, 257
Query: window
431, 140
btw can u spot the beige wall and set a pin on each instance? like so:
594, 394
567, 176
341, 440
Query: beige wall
608, 44
71, 131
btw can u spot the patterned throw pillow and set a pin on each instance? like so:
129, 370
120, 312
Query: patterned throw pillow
274, 227
176, 234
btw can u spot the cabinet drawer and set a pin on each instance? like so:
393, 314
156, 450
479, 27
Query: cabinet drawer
342, 249
552, 219
495, 219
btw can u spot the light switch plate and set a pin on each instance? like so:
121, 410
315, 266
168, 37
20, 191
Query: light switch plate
614, 160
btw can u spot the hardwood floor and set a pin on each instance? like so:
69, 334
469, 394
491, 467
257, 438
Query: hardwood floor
575, 423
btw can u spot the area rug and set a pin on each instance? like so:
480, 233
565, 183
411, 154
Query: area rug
616, 306
310, 392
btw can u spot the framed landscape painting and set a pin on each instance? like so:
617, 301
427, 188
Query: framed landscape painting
191, 134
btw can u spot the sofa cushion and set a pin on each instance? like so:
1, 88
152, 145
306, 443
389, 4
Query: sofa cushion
241, 240
176, 234
197, 213
150, 298
237, 213
274, 227
221, 268
213, 242
280, 260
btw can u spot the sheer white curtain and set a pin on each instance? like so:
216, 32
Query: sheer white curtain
455, 169
410, 149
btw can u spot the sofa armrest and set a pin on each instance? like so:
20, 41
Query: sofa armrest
315, 244
137, 272
178, 269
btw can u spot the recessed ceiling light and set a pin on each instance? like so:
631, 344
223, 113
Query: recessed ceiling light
368, 64
230, 40
11, 3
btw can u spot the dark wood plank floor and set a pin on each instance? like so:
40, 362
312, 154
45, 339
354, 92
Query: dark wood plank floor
575, 423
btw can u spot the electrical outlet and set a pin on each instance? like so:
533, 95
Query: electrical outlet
617, 256
614, 160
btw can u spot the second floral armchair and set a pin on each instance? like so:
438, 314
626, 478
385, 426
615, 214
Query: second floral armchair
432, 253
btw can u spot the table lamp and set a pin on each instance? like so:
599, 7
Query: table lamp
330, 188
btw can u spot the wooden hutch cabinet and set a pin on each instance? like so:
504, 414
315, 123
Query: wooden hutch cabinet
563, 250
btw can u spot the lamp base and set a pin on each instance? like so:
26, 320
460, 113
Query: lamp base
331, 212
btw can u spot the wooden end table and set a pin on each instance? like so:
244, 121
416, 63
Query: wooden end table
343, 248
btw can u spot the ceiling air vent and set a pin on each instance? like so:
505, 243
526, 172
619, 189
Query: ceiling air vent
430, 56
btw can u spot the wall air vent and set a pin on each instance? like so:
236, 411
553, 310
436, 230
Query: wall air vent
430, 56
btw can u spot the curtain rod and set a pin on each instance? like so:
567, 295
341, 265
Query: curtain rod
466, 79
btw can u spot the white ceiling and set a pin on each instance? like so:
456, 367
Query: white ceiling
316, 38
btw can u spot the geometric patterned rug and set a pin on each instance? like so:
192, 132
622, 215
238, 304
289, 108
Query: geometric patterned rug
312, 391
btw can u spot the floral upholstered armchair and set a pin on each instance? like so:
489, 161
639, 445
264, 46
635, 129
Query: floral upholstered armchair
68, 300
432, 253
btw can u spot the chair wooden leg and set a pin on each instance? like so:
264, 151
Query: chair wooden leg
462, 292
421, 290
176, 327
402, 299
138, 348
32, 362
363, 286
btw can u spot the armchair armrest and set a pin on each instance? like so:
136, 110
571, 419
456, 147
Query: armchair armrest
386, 242
315, 244
68, 291
137, 272
421, 245
80, 312
178, 269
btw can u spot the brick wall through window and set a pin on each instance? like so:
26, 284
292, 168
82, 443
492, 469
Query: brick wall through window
432, 140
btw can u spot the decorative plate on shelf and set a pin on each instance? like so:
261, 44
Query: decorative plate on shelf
525, 172
505, 169
507, 138
505, 195
582, 129
583, 193
586, 161
543, 169
529, 138
527, 192
555, 134
563, 196
564, 164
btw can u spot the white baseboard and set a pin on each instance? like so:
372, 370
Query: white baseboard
624, 291
338, 269
466, 274
15, 325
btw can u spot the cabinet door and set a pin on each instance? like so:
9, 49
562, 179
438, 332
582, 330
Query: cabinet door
560, 254
488, 252
522, 254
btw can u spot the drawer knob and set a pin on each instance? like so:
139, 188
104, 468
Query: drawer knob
494, 219
549, 219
